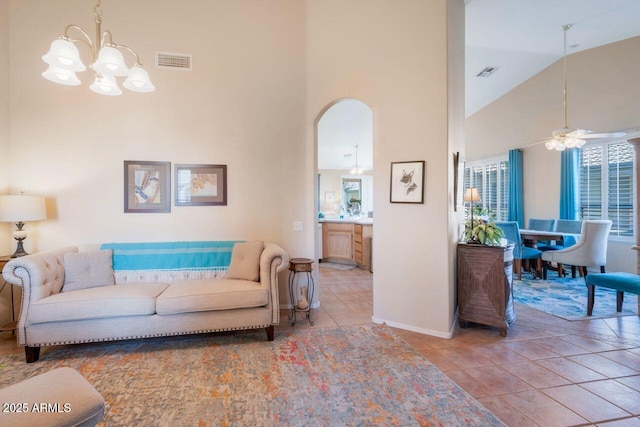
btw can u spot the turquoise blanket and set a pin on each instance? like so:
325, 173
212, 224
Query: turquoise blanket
171, 255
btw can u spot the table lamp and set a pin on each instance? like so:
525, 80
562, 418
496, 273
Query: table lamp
471, 195
18, 209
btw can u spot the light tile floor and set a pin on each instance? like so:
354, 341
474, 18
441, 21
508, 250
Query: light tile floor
546, 372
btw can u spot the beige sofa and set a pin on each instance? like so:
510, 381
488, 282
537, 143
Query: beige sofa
140, 303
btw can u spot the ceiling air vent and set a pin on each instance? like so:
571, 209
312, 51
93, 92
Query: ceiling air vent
175, 61
487, 72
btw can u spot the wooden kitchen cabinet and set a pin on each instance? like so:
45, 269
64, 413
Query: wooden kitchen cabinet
362, 235
337, 241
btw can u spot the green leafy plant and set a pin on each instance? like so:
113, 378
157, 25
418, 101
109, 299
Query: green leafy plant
482, 232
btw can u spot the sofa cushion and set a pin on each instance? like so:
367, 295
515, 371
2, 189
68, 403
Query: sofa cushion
211, 294
89, 269
245, 261
137, 299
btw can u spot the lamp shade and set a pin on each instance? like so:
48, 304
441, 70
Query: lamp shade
16, 208
61, 76
471, 195
64, 54
110, 62
138, 80
105, 85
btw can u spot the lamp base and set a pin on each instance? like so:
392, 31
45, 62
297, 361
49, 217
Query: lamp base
19, 250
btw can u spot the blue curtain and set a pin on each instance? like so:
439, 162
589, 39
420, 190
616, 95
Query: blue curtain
516, 204
569, 182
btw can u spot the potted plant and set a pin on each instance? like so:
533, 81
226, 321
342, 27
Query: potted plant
483, 232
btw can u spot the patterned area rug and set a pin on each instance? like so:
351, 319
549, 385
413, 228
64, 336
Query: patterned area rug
311, 377
567, 298
336, 266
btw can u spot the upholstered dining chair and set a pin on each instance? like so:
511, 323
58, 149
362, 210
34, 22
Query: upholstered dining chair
520, 251
572, 228
542, 225
590, 250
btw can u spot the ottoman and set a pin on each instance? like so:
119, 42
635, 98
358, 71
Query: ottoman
60, 397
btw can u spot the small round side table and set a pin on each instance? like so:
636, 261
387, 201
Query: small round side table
301, 265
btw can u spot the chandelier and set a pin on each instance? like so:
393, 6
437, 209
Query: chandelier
108, 63
357, 169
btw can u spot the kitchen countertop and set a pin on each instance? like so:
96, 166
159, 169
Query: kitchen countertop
361, 221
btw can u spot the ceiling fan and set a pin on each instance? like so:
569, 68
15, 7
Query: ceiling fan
568, 137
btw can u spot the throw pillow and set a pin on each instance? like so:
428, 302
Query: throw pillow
245, 261
90, 269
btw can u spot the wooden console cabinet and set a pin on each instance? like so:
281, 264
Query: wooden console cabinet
484, 285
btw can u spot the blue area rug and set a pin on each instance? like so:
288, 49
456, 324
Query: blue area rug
567, 298
356, 376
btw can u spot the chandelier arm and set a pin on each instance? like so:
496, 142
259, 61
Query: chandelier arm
106, 35
88, 40
121, 46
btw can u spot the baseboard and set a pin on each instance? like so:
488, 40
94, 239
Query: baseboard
446, 335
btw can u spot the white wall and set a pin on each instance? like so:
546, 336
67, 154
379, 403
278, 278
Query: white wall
242, 105
4, 103
395, 60
263, 73
603, 95
5, 248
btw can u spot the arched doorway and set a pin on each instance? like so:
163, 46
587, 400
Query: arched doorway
344, 164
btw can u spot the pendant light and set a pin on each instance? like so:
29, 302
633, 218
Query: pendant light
357, 169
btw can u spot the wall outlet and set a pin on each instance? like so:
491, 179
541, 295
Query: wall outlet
298, 226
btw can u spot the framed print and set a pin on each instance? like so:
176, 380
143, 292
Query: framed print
407, 182
458, 179
330, 196
147, 186
201, 185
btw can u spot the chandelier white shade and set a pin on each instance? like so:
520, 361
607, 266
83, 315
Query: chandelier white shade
64, 61
105, 85
138, 80
63, 53
61, 76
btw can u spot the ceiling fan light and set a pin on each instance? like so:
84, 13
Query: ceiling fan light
64, 54
560, 147
570, 142
580, 143
110, 62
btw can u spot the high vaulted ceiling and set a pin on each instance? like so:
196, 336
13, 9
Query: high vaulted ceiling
522, 37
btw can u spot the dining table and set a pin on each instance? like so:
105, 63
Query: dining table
531, 237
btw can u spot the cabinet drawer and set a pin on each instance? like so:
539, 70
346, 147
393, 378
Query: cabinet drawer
357, 246
338, 227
